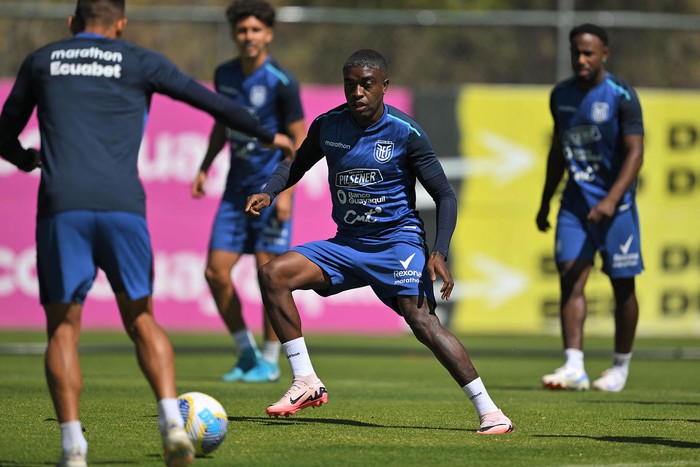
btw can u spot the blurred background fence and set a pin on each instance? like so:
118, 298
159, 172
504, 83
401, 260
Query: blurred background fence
476, 74
427, 43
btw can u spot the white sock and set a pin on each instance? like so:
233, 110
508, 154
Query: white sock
621, 361
298, 357
72, 436
476, 392
271, 351
168, 414
244, 340
574, 358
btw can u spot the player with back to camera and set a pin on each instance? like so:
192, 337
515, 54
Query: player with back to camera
374, 154
271, 93
599, 140
92, 93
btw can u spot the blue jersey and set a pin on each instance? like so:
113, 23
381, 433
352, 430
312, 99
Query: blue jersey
271, 94
92, 96
591, 126
372, 171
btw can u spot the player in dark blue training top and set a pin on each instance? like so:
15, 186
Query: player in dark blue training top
269, 92
374, 154
92, 93
599, 140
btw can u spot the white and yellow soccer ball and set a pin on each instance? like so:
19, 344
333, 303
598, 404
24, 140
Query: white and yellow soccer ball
206, 421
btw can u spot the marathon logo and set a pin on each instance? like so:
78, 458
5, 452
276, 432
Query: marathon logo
57, 67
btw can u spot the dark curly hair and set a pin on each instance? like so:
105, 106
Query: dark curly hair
242, 9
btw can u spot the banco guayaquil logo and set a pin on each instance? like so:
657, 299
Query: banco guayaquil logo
383, 150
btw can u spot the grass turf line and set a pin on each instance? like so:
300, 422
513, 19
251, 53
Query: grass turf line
391, 403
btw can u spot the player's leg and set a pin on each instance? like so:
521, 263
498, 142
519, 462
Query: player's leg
450, 352
272, 238
574, 254
572, 280
230, 238
622, 261
573, 276
125, 255
64, 378
626, 316
66, 270
220, 264
156, 359
278, 279
267, 367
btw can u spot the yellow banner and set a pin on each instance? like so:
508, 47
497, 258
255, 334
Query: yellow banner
506, 277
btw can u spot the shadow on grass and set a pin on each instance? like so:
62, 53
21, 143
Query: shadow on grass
691, 404
336, 421
632, 440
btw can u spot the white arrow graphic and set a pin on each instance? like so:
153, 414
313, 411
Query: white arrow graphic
505, 161
499, 284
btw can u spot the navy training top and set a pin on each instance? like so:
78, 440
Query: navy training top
591, 126
271, 94
372, 172
92, 96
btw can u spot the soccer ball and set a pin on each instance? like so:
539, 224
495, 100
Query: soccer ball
205, 419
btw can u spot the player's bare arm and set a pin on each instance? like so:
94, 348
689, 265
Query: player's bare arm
628, 173
217, 140
437, 266
282, 142
555, 172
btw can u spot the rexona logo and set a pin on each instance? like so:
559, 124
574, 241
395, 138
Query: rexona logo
358, 177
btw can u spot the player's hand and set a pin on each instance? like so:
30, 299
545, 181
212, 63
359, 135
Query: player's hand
283, 206
256, 203
542, 219
197, 188
33, 160
602, 211
437, 266
282, 142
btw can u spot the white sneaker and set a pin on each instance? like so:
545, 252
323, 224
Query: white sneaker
75, 458
178, 449
567, 378
611, 380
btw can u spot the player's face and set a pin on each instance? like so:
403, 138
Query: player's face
364, 93
588, 55
252, 37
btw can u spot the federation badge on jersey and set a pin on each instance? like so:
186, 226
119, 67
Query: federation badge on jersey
383, 150
600, 111
257, 96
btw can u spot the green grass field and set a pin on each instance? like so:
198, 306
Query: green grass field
390, 403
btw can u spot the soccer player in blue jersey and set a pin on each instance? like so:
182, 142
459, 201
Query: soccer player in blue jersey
271, 93
92, 93
599, 140
375, 153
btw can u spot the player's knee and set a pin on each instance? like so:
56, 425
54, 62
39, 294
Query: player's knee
216, 277
266, 276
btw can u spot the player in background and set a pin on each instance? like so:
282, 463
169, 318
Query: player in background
599, 140
374, 154
271, 93
92, 93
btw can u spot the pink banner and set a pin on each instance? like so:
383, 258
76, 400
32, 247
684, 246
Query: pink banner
174, 144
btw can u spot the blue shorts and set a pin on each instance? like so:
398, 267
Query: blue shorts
391, 268
234, 231
616, 239
71, 245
